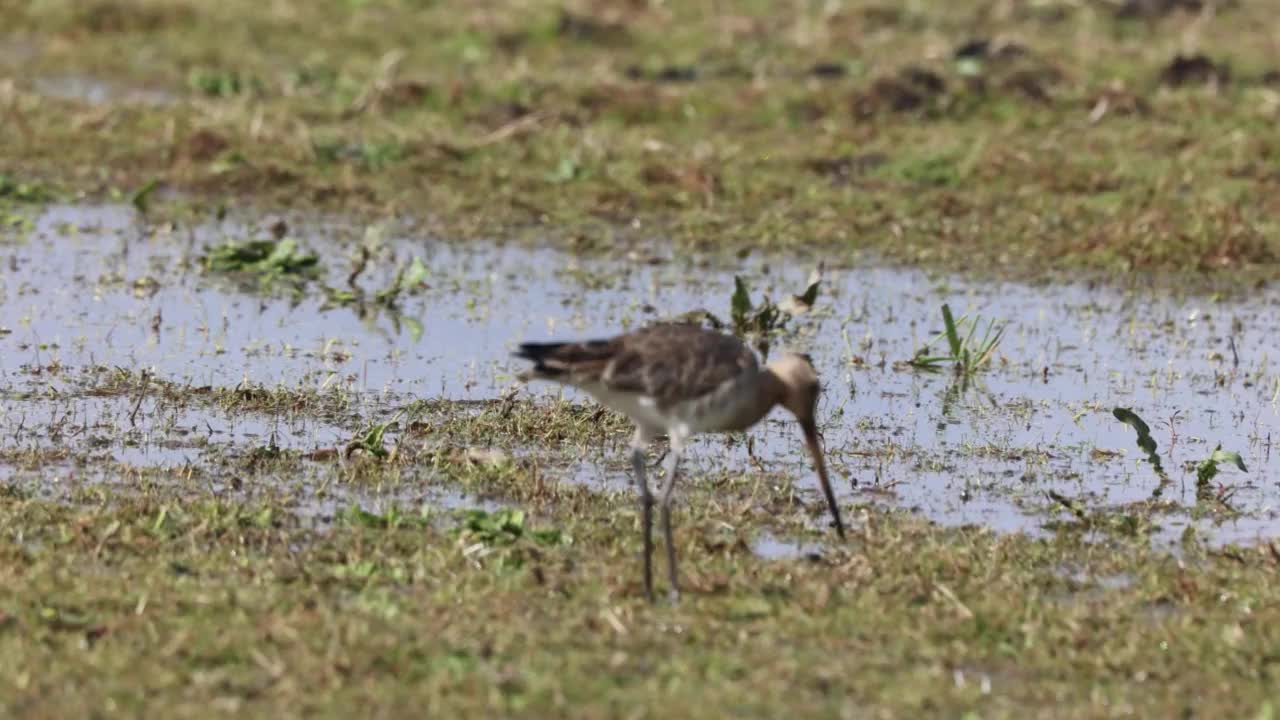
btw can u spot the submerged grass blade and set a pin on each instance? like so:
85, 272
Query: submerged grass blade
141, 198
740, 303
1145, 442
953, 334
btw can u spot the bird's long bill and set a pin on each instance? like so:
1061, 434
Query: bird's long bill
820, 465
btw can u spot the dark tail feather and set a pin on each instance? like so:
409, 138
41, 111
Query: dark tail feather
538, 353
551, 360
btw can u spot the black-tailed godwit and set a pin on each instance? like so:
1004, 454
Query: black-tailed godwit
679, 381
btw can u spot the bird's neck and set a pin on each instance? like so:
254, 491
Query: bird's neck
769, 391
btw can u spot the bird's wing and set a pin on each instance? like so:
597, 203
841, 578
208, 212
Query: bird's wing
568, 361
674, 362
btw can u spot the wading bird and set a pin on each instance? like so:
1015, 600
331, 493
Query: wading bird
681, 380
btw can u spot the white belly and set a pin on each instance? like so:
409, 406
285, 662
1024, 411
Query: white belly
724, 409
641, 409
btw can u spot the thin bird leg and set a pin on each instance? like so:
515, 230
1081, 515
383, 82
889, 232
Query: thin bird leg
646, 508
661, 457
673, 461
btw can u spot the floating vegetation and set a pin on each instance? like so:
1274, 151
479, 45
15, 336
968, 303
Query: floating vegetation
750, 318
408, 277
760, 322
269, 260
1207, 470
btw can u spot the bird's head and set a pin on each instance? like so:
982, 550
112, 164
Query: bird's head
800, 388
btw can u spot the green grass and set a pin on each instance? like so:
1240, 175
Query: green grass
571, 122
193, 605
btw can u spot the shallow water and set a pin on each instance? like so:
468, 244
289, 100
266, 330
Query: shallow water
92, 91
771, 547
96, 286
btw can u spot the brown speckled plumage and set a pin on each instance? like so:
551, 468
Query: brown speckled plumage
669, 362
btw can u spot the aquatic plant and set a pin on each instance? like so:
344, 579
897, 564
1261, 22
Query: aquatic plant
265, 258
760, 322
1145, 442
966, 354
1207, 470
